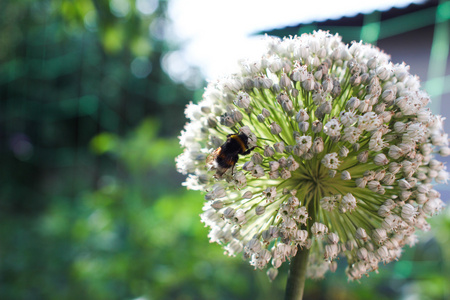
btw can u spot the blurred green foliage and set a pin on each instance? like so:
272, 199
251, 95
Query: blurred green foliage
91, 206
136, 235
134, 151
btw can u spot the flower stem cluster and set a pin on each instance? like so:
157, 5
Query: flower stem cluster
343, 163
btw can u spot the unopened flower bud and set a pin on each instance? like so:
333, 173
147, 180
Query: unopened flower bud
336, 91
394, 167
237, 116
285, 174
217, 204
343, 152
317, 145
444, 151
211, 122
374, 185
363, 156
257, 158
399, 127
228, 213
353, 103
227, 120
242, 100
272, 273
302, 116
380, 160
379, 236
326, 107
259, 210
388, 95
327, 85
276, 88
362, 253
346, 175
309, 83
355, 80
333, 238
247, 195
268, 151
317, 126
274, 165
303, 126
361, 234
275, 128
279, 147
361, 182
265, 113
248, 166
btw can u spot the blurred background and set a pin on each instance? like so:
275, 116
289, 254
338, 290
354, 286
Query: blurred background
92, 94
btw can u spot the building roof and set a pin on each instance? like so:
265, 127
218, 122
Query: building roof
391, 22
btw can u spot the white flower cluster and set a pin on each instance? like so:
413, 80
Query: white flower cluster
343, 162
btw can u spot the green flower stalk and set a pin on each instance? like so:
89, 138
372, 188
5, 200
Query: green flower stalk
341, 163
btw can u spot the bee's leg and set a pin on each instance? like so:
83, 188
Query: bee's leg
248, 151
234, 164
251, 149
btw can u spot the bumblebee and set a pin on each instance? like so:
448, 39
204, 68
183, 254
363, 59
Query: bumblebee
227, 155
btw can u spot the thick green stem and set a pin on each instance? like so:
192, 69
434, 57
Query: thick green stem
297, 275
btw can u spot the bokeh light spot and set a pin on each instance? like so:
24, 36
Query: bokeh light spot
146, 7
90, 21
141, 67
119, 8
21, 146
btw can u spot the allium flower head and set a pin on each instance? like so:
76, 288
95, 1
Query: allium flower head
341, 156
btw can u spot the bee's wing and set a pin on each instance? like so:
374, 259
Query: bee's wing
210, 159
